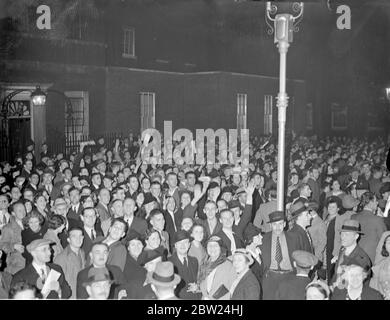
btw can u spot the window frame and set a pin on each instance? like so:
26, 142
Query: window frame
268, 114
142, 110
242, 108
83, 95
125, 54
309, 111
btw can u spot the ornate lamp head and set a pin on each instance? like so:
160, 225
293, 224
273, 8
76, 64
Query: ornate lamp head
283, 24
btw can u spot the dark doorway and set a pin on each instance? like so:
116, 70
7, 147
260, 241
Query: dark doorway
19, 134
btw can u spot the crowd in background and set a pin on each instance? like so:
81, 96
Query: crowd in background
102, 224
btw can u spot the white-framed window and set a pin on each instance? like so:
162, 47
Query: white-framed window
77, 119
309, 116
339, 117
241, 111
128, 42
268, 99
148, 115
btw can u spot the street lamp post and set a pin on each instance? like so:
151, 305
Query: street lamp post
387, 116
283, 27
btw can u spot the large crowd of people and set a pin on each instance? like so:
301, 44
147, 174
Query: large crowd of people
101, 224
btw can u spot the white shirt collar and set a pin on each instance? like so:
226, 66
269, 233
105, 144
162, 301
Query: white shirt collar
39, 268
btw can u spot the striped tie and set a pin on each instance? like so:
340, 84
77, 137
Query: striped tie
278, 253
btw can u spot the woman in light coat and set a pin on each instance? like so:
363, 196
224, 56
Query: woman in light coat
217, 274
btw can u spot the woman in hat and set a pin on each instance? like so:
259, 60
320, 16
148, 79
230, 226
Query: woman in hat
139, 287
245, 286
352, 285
217, 273
196, 248
135, 246
317, 290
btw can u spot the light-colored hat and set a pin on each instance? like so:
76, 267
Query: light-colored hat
304, 259
351, 225
245, 253
164, 275
38, 243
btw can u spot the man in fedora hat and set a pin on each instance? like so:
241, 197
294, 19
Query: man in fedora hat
37, 272
98, 258
98, 284
294, 288
300, 213
335, 222
185, 266
350, 252
372, 225
164, 281
276, 249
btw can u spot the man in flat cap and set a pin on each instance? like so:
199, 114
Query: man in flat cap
37, 272
294, 288
98, 284
276, 249
350, 252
